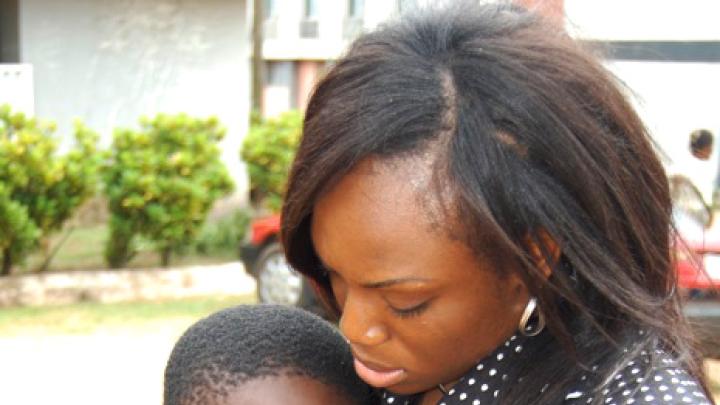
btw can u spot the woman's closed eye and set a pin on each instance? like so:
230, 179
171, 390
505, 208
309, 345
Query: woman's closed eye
409, 312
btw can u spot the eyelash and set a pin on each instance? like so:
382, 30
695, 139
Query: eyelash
405, 313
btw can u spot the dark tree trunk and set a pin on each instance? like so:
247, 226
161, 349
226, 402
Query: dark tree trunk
6, 263
256, 70
165, 257
50, 253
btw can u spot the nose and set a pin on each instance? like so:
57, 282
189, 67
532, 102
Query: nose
360, 324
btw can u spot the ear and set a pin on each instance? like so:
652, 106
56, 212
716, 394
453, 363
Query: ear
544, 250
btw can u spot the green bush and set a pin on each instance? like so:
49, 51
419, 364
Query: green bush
223, 235
39, 188
19, 233
161, 182
268, 150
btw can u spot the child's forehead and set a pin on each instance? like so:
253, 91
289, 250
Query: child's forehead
285, 389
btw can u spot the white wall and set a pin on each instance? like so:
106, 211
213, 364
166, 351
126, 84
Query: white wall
674, 99
111, 61
286, 44
644, 19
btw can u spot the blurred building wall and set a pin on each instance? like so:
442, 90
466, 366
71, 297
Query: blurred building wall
552, 9
667, 54
109, 62
307, 74
301, 37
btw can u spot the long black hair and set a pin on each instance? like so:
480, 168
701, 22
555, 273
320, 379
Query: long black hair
532, 141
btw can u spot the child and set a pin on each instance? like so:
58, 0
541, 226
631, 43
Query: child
262, 355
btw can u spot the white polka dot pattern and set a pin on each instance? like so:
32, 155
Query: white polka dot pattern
666, 383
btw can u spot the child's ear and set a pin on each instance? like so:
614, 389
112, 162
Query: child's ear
544, 250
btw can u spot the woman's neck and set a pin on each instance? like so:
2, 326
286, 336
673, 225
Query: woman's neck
431, 397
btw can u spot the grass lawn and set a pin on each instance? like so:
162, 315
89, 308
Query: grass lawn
83, 250
87, 318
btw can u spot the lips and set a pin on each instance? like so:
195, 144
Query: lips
379, 377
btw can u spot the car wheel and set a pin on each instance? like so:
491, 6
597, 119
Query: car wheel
277, 282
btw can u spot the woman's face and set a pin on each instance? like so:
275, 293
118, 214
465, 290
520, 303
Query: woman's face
418, 308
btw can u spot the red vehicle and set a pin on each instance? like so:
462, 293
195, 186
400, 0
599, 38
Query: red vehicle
264, 259
698, 264
698, 248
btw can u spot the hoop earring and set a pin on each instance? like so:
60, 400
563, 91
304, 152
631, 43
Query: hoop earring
531, 330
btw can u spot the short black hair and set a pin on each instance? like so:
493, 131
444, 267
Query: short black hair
246, 342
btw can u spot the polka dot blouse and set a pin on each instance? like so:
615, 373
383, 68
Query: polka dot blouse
634, 384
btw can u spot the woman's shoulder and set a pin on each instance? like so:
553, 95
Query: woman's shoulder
650, 378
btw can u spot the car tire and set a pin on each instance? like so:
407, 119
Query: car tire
278, 283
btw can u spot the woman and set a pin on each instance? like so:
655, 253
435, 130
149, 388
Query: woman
483, 209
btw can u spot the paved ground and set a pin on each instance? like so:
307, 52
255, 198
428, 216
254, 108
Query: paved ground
110, 367
113, 365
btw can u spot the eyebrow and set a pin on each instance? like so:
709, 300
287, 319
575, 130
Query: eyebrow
380, 284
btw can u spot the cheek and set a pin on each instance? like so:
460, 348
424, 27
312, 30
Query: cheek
339, 290
464, 325
485, 310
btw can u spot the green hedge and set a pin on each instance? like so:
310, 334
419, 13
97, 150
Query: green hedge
160, 182
269, 149
40, 188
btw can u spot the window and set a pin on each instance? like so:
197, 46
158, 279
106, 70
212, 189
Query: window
309, 23
278, 73
280, 88
311, 9
356, 8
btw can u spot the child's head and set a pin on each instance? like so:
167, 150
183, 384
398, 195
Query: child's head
263, 354
701, 143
